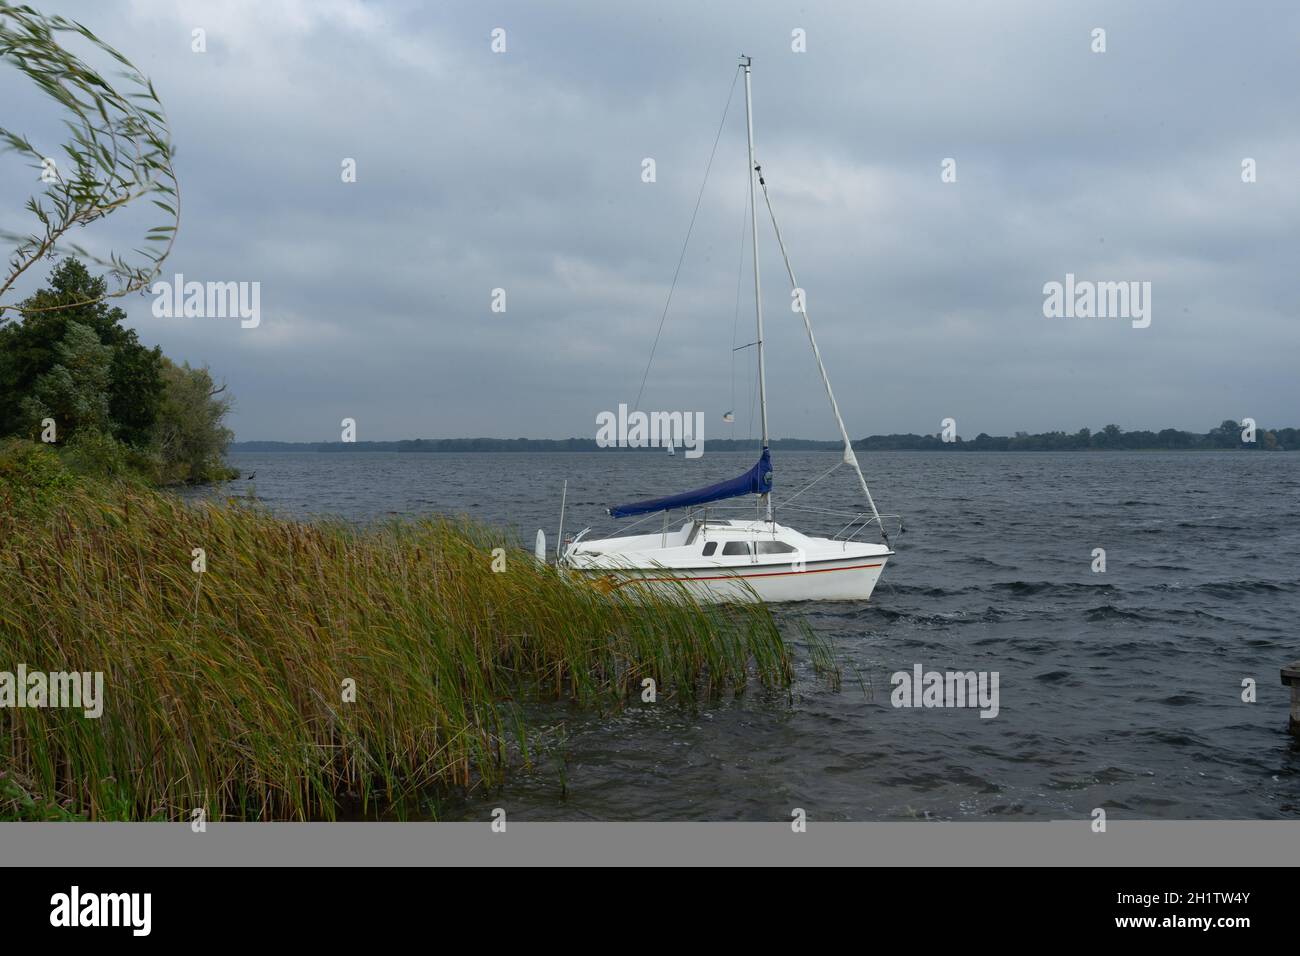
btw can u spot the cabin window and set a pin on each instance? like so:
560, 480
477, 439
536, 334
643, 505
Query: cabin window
774, 547
710, 548
736, 547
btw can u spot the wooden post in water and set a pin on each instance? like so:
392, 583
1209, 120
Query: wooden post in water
1291, 677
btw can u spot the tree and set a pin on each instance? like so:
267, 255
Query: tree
29, 349
118, 406
1173, 438
135, 391
1108, 437
119, 150
74, 392
189, 433
1227, 435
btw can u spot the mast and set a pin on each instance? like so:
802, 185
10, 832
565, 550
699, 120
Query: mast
758, 294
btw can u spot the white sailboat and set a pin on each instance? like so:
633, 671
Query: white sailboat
729, 560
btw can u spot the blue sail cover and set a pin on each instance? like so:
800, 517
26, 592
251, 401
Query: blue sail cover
756, 481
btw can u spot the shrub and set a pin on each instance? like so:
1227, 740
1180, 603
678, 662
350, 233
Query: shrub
31, 471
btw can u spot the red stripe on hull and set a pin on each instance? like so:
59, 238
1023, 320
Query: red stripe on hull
732, 577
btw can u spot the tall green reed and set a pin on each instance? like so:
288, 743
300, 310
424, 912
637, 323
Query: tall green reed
225, 689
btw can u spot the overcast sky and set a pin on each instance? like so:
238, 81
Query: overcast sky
522, 170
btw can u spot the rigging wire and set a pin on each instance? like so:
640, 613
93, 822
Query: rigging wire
849, 457
691, 228
784, 502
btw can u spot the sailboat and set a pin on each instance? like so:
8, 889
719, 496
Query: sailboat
728, 560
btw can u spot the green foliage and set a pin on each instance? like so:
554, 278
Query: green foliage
74, 392
119, 150
189, 435
33, 478
31, 466
119, 408
30, 350
18, 803
135, 391
223, 689
97, 455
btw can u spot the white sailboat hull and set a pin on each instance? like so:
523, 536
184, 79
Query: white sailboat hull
850, 579
732, 562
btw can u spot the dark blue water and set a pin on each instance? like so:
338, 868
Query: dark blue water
1120, 690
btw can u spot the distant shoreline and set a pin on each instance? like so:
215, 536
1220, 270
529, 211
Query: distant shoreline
1226, 437
245, 448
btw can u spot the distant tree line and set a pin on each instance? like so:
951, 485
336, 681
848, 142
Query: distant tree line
1228, 434
1110, 438
511, 444
73, 376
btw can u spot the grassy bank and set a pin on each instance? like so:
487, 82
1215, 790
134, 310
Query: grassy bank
225, 689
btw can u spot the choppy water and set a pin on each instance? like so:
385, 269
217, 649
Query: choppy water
1119, 690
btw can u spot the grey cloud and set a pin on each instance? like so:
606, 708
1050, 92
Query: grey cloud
521, 171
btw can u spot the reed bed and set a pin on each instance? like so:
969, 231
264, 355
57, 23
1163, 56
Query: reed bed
224, 689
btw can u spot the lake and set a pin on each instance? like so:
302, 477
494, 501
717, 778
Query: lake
1119, 689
